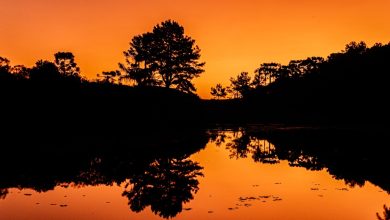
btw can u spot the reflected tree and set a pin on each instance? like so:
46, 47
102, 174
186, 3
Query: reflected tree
165, 186
386, 214
3, 193
218, 137
239, 147
264, 152
244, 144
300, 159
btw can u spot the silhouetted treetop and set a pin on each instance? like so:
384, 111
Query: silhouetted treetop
110, 76
219, 91
45, 71
4, 68
66, 65
20, 72
266, 72
356, 48
240, 85
164, 57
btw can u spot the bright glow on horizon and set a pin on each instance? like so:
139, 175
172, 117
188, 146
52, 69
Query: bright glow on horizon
234, 36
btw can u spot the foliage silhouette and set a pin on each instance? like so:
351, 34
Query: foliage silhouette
314, 90
313, 149
158, 158
266, 72
240, 85
45, 71
165, 56
158, 170
5, 67
110, 77
165, 185
219, 92
66, 65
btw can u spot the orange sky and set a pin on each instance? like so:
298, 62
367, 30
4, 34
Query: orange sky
234, 36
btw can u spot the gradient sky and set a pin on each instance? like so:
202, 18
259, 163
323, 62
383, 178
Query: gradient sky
234, 36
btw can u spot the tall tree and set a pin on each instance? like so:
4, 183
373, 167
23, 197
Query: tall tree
241, 84
66, 65
165, 57
139, 66
219, 91
268, 71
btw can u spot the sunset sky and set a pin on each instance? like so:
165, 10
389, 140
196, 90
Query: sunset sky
234, 36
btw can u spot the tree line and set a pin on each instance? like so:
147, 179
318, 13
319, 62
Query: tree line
165, 57
270, 75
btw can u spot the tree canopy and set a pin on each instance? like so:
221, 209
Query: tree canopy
66, 65
241, 85
219, 92
164, 57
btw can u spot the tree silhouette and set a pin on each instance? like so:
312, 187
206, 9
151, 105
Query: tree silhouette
45, 71
295, 68
267, 71
165, 56
311, 65
139, 66
20, 72
283, 73
110, 77
240, 146
66, 65
356, 48
4, 68
165, 185
241, 85
219, 91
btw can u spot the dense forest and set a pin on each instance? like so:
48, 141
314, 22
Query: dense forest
154, 88
347, 87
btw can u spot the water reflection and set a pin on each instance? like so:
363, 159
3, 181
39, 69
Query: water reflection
386, 214
165, 185
353, 156
3, 193
156, 171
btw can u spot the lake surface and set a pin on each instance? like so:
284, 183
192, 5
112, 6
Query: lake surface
240, 173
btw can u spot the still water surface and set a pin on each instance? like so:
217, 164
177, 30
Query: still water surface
235, 176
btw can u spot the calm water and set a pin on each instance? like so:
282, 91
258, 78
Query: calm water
232, 174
